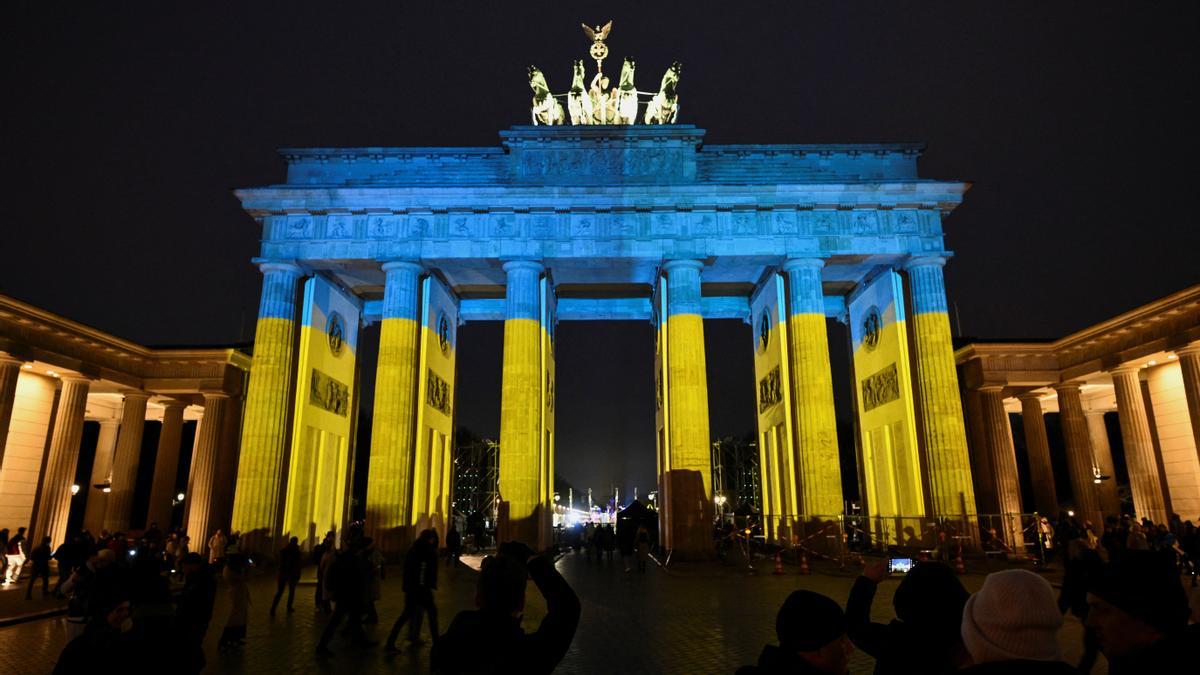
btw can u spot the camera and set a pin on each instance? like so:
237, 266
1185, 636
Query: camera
899, 565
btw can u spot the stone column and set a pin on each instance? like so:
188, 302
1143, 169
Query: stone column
1144, 481
944, 438
265, 426
1080, 460
55, 505
1110, 501
1037, 446
393, 427
688, 483
1189, 366
981, 461
1003, 460
521, 404
97, 498
125, 462
818, 467
200, 492
166, 465
10, 370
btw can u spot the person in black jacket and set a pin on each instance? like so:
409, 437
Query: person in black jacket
420, 581
40, 558
194, 609
289, 574
811, 629
926, 635
490, 639
348, 581
1139, 612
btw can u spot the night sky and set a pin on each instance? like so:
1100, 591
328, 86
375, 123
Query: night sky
126, 127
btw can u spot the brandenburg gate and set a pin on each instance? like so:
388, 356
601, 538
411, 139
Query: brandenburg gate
588, 217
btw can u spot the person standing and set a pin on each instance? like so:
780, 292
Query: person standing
453, 545
4, 557
234, 634
289, 574
15, 554
375, 574
318, 558
420, 580
216, 548
643, 547
194, 609
41, 568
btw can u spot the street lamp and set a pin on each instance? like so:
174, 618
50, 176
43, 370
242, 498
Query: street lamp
74, 490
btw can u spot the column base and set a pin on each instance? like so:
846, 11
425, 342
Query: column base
687, 516
528, 530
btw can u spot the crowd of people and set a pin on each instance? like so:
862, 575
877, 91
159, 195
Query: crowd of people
155, 597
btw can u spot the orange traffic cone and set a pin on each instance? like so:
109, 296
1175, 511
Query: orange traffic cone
779, 562
804, 563
958, 563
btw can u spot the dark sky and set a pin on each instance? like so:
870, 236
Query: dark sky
125, 127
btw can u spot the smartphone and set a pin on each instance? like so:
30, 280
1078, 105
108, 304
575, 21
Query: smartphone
899, 565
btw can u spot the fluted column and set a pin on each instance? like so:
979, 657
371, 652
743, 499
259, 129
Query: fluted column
166, 465
55, 505
1081, 462
981, 461
393, 427
1003, 460
261, 461
1110, 501
1037, 446
521, 403
1144, 481
125, 461
97, 498
818, 468
943, 434
10, 370
1189, 366
200, 492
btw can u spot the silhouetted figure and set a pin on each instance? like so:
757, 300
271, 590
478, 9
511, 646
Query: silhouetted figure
453, 545
15, 555
926, 635
323, 555
420, 580
1011, 626
289, 574
347, 582
99, 642
811, 630
234, 634
1139, 612
490, 639
39, 560
70, 555
376, 570
194, 610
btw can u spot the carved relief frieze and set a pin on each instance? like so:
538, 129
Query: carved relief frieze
502, 225
339, 226
784, 222
419, 226
824, 222
625, 225
298, 227
380, 226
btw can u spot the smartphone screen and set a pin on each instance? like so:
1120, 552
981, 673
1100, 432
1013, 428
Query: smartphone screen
900, 565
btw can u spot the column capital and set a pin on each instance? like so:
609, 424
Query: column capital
1071, 386
516, 265
683, 264
8, 359
172, 403
1191, 348
803, 264
992, 388
938, 260
266, 265
390, 264
1125, 369
213, 394
135, 394
1030, 396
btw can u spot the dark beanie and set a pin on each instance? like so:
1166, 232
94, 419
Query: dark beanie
930, 597
1145, 585
808, 621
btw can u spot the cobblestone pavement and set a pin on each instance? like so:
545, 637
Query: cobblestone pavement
700, 618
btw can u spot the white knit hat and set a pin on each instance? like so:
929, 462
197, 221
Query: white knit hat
1014, 616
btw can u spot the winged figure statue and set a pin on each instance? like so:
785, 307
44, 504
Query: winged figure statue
599, 33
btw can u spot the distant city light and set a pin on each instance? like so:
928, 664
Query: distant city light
179, 497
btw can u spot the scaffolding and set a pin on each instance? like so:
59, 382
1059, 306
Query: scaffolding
476, 477
735, 472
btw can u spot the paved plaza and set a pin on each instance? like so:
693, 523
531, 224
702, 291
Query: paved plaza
696, 618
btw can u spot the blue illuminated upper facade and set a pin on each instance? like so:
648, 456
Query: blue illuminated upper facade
602, 207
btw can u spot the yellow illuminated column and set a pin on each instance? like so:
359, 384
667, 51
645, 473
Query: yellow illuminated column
1080, 463
1037, 446
201, 482
523, 504
818, 468
256, 501
166, 465
688, 483
125, 461
55, 504
944, 437
1144, 480
393, 427
1003, 460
